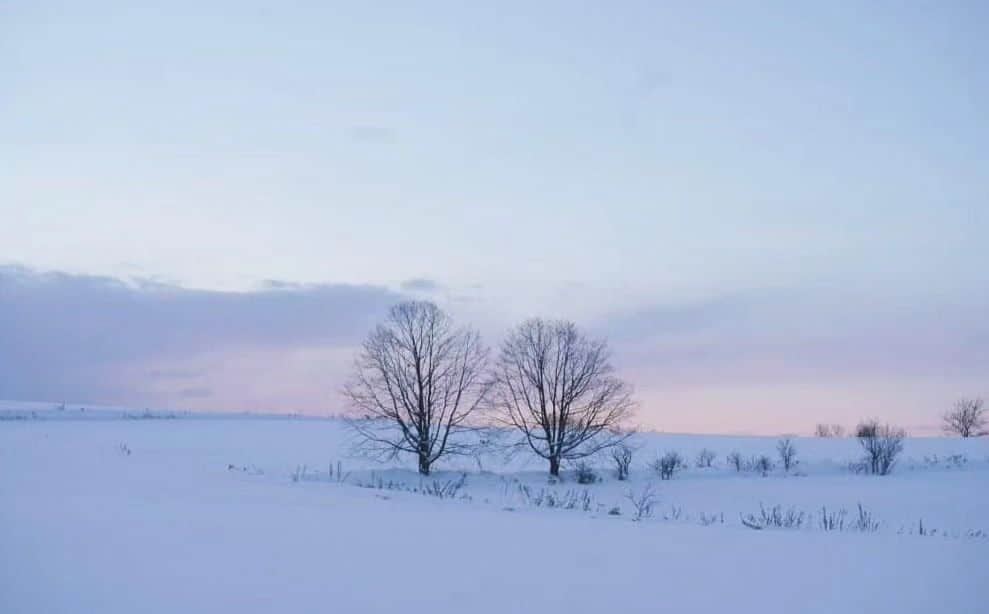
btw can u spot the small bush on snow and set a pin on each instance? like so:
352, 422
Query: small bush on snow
735, 460
545, 497
713, 518
585, 474
882, 445
642, 502
621, 455
787, 452
775, 517
668, 464
704, 458
763, 464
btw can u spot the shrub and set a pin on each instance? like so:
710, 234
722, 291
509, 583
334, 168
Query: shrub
867, 428
713, 518
788, 453
834, 520
668, 464
570, 500
444, 490
622, 457
864, 521
829, 430
882, 444
585, 474
967, 418
775, 517
642, 502
704, 458
735, 460
763, 464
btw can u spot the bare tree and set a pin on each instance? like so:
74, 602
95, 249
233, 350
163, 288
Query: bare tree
882, 444
668, 464
621, 455
967, 418
416, 381
787, 452
557, 388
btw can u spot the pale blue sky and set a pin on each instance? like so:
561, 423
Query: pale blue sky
611, 162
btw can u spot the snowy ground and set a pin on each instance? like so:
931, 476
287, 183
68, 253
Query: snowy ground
134, 514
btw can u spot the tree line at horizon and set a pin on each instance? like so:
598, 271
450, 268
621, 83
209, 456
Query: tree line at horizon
420, 382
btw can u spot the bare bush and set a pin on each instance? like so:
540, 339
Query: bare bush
557, 388
585, 474
775, 517
668, 464
787, 452
621, 455
762, 464
967, 418
864, 521
448, 489
546, 497
837, 520
833, 520
444, 490
866, 428
642, 502
829, 430
416, 381
882, 444
707, 520
735, 460
704, 458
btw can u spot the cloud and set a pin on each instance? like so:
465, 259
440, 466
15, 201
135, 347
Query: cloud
422, 285
69, 336
819, 332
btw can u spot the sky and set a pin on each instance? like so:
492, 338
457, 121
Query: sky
776, 212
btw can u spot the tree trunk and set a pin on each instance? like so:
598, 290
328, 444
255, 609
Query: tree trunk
423, 457
554, 466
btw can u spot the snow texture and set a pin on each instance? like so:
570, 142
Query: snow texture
118, 512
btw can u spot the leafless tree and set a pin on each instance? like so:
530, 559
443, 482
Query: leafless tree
882, 444
558, 389
762, 464
668, 464
416, 381
967, 418
787, 452
621, 455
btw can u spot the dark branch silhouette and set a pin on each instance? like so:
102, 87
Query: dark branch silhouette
557, 388
967, 418
416, 382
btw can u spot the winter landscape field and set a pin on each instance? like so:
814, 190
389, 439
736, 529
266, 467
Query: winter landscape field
134, 511
494, 307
